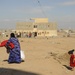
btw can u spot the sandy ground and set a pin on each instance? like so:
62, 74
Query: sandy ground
42, 57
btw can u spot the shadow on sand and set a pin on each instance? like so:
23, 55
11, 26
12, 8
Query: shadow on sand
69, 68
7, 60
7, 71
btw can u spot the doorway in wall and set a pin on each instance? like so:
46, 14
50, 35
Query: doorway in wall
35, 34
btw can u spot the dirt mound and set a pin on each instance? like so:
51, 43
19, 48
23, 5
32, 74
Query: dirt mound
62, 58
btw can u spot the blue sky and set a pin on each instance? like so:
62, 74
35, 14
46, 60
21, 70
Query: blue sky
60, 11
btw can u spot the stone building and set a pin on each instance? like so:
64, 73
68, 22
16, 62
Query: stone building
40, 27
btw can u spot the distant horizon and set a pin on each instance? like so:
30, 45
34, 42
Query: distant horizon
12, 25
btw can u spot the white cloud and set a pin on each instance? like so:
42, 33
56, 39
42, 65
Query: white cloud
33, 10
6, 20
69, 3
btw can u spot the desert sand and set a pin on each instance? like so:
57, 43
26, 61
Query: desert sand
43, 56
